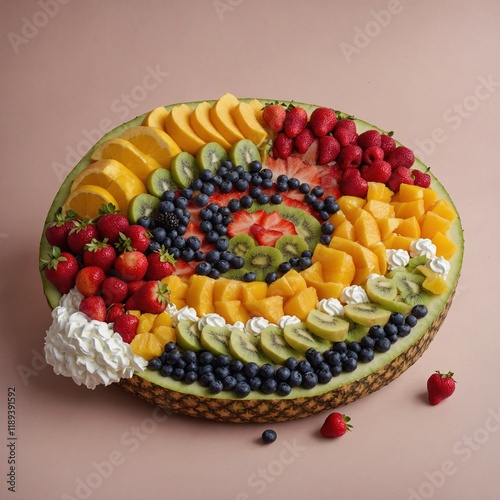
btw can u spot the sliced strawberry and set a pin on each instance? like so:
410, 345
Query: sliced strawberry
185, 269
330, 177
243, 220
277, 165
295, 199
274, 222
311, 155
308, 174
265, 237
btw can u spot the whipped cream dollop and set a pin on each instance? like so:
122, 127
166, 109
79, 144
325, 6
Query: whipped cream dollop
439, 265
256, 325
211, 319
238, 325
331, 306
184, 313
288, 320
71, 300
88, 351
354, 294
397, 258
423, 247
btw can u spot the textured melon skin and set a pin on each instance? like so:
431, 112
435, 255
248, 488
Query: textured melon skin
194, 400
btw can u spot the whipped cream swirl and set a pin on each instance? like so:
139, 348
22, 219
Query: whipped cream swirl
354, 294
256, 325
331, 306
397, 258
439, 265
188, 313
423, 247
211, 319
88, 351
287, 320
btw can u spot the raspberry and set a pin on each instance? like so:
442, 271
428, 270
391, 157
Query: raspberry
372, 154
328, 149
352, 184
282, 146
303, 141
350, 156
369, 139
400, 175
401, 157
388, 144
421, 179
378, 171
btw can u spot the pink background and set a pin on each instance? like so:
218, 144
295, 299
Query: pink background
418, 68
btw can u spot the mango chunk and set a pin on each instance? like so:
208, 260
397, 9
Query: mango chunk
227, 289
337, 265
232, 311
444, 246
327, 290
146, 345
165, 334
409, 192
445, 210
163, 319
387, 225
345, 230
395, 241
348, 203
409, 227
146, 321
378, 191
200, 294
302, 303
430, 196
433, 223
253, 291
288, 285
407, 209
366, 229
176, 286
313, 273
380, 251
270, 308
379, 209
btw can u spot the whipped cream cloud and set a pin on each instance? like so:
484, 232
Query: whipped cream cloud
439, 265
331, 306
423, 247
354, 294
397, 258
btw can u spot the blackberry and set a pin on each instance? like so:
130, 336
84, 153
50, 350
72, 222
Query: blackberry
167, 220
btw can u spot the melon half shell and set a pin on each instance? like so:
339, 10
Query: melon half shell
195, 400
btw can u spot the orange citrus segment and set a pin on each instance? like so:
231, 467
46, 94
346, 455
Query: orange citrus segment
87, 200
153, 142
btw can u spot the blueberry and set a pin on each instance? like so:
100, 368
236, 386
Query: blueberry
227, 164
232, 176
203, 268
178, 373
276, 199
318, 191
234, 205
172, 234
376, 332
206, 214
221, 372
172, 357
282, 374
206, 175
206, 379
293, 183
213, 207
309, 380
168, 196
393, 337
354, 347
282, 187
227, 220
271, 277
187, 193
190, 377
336, 369
223, 170
189, 357
255, 166
255, 383
227, 255
267, 370
419, 311
236, 366
327, 228
205, 358
390, 329
246, 201
263, 199
350, 364
179, 242
284, 267
187, 254
223, 266
201, 199
267, 184
283, 389
192, 367
255, 192
229, 383
339, 347
332, 357
159, 234
306, 253
294, 261
212, 236
269, 436
382, 344
324, 215
366, 355
304, 366
215, 386
249, 277
304, 188
202, 369
396, 318
325, 239
324, 376
217, 218
226, 187
240, 377
305, 262
222, 244
199, 255
217, 180
220, 229
241, 185
237, 262
309, 198
196, 184
155, 364
291, 363
213, 256
242, 389
404, 330
166, 370
251, 369
214, 273
166, 207
181, 201
314, 357
411, 320
170, 346
193, 242
144, 221
208, 189
256, 180
295, 378
269, 385
367, 342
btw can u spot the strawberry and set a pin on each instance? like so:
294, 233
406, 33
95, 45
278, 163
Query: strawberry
57, 231
350, 156
303, 141
335, 425
89, 280
322, 121
421, 179
310, 157
114, 290
345, 132
152, 298
400, 175
369, 139
401, 157
61, 269
114, 311
134, 237
99, 253
133, 286
110, 223
440, 386
126, 325
328, 149
388, 144
372, 154
282, 146
131, 266
274, 222
378, 171
265, 237
274, 116
160, 265
295, 167
295, 121
330, 180
352, 184
94, 307
242, 221
82, 233
185, 269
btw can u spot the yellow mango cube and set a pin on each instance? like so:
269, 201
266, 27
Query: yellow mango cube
146, 345
327, 290
433, 223
165, 334
407, 209
176, 286
444, 209
379, 191
337, 218
430, 197
270, 308
337, 265
409, 192
345, 230
313, 273
232, 311
379, 209
409, 227
387, 225
366, 229
288, 284
146, 321
302, 303
444, 246
200, 294
255, 290
227, 289
349, 203
163, 319
395, 242
380, 251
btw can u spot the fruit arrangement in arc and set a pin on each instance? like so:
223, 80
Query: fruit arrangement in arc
244, 210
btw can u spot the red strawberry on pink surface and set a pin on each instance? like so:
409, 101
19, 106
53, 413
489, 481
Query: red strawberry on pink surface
440, 386
99, 253
94, 307
400, 175
328, 149
274, 116
111, 223
352, 184
401, 157
160, 265
81, 234
295, 121
388, 144
152, 298
61, 269
303, 141
350, 156
345, 132
126, 325
420, 178
369, 139
372, 154
322, 121
89, 280
114, 290
57, 231
131, 266
335, 425
378, 171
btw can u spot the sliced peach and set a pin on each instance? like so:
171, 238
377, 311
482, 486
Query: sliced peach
337, 265
434, 282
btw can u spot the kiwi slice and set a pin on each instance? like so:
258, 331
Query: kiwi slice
240, 244
210, 156
273, 344
159, 181
216, 339
384, 291
301, 338
243, 153
410, 288
291, 245
246, 348
367, 314
356, 332
188, 335
236, 274
416, 261
327, 327
262, 260
142, 205
184, 169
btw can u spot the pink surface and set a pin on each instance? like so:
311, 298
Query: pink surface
427, 70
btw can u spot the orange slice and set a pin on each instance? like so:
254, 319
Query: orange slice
87, 200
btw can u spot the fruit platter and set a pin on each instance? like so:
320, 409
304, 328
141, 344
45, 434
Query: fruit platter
247, 260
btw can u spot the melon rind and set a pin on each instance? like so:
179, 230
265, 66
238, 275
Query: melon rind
195, 400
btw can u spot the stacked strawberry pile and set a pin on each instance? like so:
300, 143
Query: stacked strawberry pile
105, 259
354, 159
